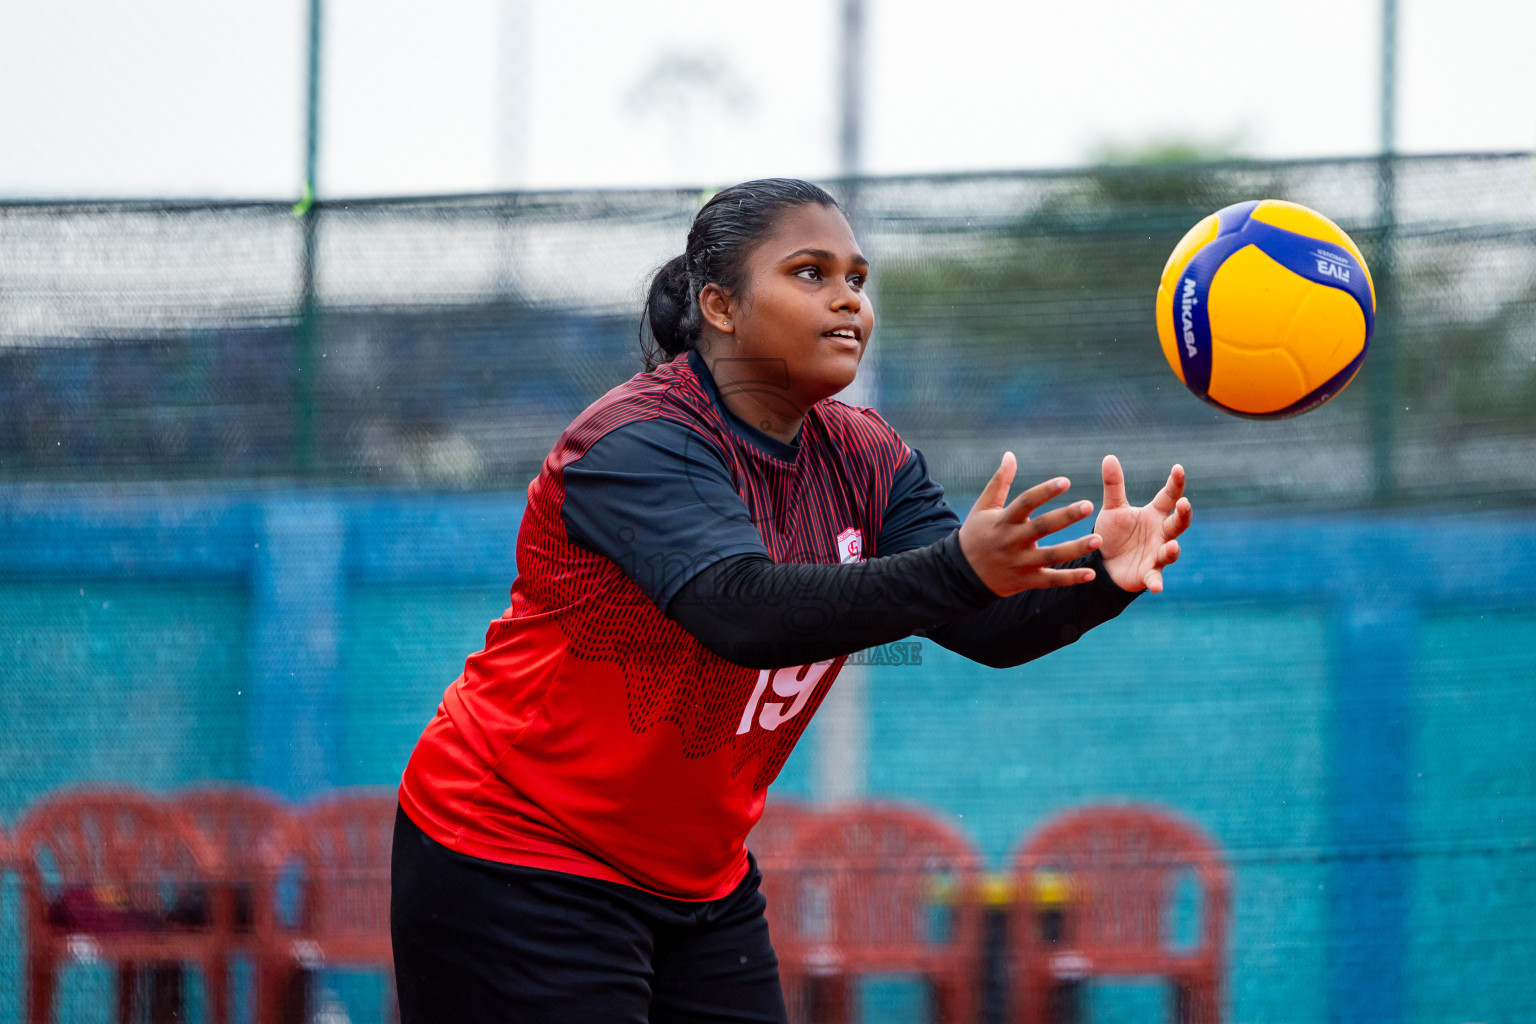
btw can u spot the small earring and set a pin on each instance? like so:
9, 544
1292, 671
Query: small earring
727, 324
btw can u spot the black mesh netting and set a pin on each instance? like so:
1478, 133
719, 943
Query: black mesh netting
447, 341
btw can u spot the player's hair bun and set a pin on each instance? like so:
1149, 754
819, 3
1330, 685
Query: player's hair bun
724, 232
672, 308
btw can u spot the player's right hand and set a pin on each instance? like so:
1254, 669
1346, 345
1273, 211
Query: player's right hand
1001, 540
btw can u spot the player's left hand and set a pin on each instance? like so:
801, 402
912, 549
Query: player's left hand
1139, 542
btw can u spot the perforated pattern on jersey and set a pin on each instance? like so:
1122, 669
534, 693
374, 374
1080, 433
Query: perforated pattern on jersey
841, 478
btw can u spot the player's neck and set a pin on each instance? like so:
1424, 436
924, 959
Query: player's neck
757, 396
749, 408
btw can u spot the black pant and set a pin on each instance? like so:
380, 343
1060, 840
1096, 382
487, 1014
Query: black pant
478, 942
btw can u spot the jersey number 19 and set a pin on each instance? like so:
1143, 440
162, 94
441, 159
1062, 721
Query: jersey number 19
789, 683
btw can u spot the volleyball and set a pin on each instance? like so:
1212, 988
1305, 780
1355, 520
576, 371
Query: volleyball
1265, 309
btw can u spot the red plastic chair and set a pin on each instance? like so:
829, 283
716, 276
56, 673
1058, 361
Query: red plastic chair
7, 854
347, 841
256, 840
772, 843
1097, 891
120, 877
772, 839
878, 889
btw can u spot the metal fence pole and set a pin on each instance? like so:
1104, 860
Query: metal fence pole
1383, 382
306, 366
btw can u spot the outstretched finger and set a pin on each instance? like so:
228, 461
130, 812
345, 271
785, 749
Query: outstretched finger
1021, 507
1065, 577
1168, 554
1172, 491
995, 493
1048, 523
1153, 581
1114, 483
1056, 554
1178, 520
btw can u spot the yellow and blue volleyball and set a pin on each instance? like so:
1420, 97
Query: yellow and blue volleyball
1265, 309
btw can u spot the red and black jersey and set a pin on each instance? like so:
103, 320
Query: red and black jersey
595, 736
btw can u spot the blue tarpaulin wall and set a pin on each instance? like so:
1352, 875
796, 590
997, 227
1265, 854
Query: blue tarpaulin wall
1345, 702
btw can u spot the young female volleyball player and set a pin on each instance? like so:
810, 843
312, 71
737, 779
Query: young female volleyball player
701, 549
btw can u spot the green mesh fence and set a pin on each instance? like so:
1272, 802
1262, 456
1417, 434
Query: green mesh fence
261, 475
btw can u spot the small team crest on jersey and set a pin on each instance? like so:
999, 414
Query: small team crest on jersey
850, 545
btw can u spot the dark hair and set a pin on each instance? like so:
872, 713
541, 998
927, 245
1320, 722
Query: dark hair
723, 233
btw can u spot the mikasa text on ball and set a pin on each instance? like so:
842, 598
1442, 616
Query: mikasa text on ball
1265, 309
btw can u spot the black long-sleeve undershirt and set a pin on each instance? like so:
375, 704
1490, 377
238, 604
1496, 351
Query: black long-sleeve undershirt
1033, 623
760, 614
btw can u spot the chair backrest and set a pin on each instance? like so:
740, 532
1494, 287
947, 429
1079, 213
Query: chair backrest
773, 838
772, 843
347, 850
116, 853
255, 838
250, 829
879, 887
1118, 869
9, 858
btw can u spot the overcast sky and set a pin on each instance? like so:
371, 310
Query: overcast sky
187, 98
